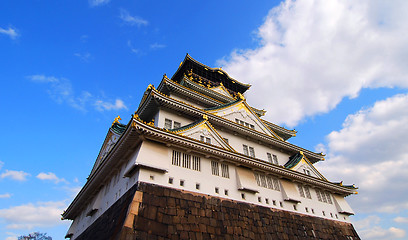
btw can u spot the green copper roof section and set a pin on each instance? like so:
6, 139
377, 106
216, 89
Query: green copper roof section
188, 126
118, 128
223, 106
293, 160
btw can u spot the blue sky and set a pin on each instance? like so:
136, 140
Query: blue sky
333, 70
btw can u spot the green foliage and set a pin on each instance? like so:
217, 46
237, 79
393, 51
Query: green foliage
35, 236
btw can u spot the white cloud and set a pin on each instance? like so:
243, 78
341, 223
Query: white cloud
51, 176
132, 20
95, 3
28, 216
85, 57
61, 91
401, 220
1, 164
155, 46
5, 195
15, 175
102, 105
11, 32
133, 49
370, 151
369, 228
312, 54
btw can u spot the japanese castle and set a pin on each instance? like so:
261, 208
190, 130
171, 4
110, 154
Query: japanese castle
194, 138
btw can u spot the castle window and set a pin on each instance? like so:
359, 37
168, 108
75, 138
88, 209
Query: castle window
217, 190
281, 204
176, 158
336, 216
312, 210
171, 180
295, 207
177, 124
328, 198
251, 152
266, 200
269, 157
307, 192
151, 177
197, 186
251, 126
245, 147
215, 168
331, 214
259, 199
267, 181
196, 163
274, 202
275, 159
167, 123
226, 192
224, 170
208, 140
202, 138
306, 209
302, 193
182, 183
324, 214
243, 195
186, 160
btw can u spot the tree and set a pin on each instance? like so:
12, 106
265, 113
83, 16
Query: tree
35, 236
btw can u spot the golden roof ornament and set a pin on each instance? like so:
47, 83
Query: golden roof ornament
205, 117
241, 96
116, 120
150, 87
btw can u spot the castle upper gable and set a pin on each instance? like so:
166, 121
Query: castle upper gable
300, 163
203, 131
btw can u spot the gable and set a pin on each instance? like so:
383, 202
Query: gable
241, 113
222, 90
300, 163
203, 131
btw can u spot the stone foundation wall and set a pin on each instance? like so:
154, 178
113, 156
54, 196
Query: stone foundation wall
156, 212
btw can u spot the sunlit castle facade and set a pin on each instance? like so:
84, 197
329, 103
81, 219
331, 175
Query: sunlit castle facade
195, 135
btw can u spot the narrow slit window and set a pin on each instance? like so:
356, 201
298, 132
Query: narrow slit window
275, 159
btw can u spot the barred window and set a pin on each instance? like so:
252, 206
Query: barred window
176, 158
263, 181
269, 157
319, 197
302, 193
323, 196
257, 178
267, 181
276, 184
186, 160
224, 170
215, 168
208, 140
275, 159
167, 123
328, 198
202, 138
307, 192
176, 124
251, 152
245, 147
196, 163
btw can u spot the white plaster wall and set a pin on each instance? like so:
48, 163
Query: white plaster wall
195, 104
236, 142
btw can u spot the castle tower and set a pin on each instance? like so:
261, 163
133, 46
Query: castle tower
197, 162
